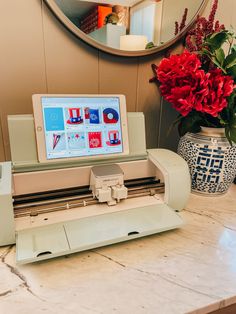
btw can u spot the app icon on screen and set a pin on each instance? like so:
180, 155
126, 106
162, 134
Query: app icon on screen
74, 116
55, 141
113, 138
54, 120
110, 115
86, 114
95, 139
92, 116
76, 140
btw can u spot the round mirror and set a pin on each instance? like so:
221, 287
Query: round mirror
128, 27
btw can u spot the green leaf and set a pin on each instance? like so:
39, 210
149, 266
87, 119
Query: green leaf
233, 48
230, 60
230, 111
216, 62
150, 45
231, 107
217, 34
216, 40
227, 134
224, 116
205, 52
232, 71
232, 133
176, 121
190, 123
210, 121
223, 122
220, 56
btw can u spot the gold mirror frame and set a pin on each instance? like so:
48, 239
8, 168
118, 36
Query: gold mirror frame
81, 35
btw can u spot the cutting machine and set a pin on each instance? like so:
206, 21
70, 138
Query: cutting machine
55, 209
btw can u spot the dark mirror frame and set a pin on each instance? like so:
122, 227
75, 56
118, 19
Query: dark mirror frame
78, 33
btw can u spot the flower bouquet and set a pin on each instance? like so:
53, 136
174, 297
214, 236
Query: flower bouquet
200, 85
200, 82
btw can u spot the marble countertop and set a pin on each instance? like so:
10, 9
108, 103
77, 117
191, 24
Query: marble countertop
188, 270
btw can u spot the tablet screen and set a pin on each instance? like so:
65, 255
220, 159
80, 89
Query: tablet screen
81, 126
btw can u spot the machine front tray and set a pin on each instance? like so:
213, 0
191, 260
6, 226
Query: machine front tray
91, 232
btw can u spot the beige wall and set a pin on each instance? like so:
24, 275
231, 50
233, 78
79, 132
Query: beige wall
38, 55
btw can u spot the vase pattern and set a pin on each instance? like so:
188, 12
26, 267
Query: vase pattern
211, 161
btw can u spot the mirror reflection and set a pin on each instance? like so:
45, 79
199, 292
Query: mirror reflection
129, 24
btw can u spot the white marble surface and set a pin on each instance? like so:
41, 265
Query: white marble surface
189, 270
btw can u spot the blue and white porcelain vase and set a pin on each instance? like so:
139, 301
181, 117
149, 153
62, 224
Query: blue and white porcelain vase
211, 160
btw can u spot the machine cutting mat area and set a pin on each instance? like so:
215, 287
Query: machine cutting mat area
38, 203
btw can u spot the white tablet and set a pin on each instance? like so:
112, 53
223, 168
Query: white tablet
80, 126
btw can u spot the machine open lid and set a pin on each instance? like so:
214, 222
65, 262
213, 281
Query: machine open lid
86, 233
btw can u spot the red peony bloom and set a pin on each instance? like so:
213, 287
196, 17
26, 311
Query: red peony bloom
220, 86
188, 87
175, 67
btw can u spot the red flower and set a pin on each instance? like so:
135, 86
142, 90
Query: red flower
189, 96
189, 88
220, 86
175, 67
182, 82
196, 82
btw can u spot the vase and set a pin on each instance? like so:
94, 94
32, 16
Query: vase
211, 160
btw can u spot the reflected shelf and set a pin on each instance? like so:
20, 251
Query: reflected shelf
126, 27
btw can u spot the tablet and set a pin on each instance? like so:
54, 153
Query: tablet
80, 126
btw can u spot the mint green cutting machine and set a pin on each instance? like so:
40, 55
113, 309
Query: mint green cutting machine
56, 209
